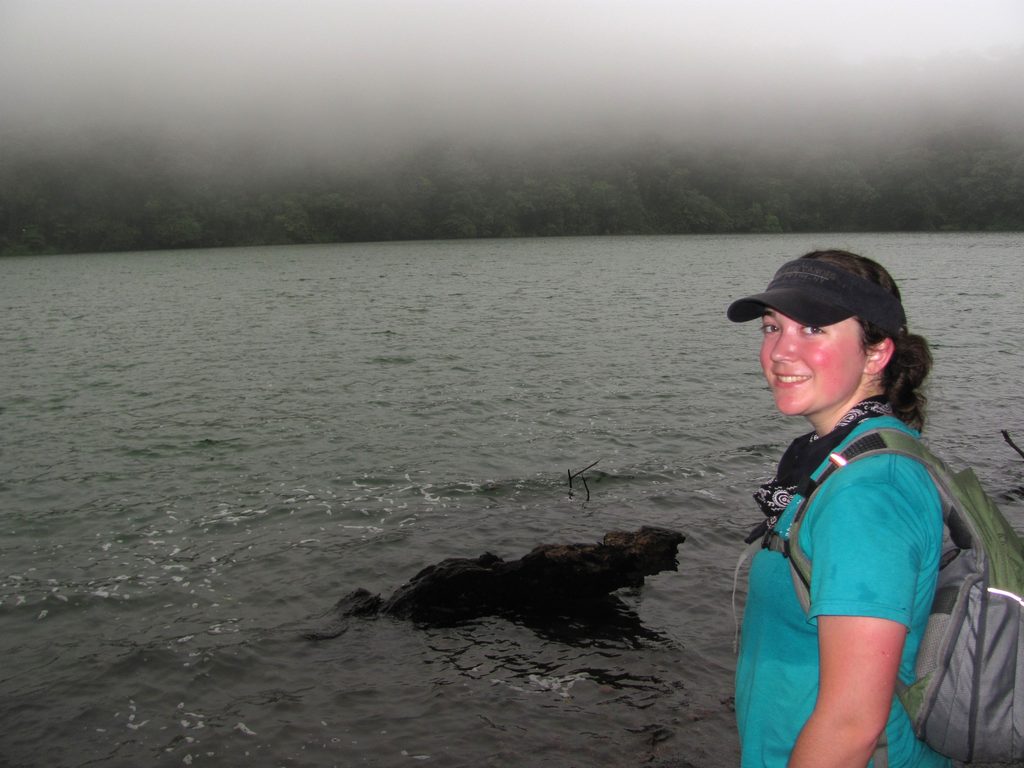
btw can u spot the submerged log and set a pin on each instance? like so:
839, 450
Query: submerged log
550, 578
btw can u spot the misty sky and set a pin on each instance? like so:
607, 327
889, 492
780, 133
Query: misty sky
316, 71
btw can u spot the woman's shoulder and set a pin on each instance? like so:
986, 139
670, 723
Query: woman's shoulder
888, 483
883, 474
883, 467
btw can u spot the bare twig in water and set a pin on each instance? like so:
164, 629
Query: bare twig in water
580, 476
1006, 437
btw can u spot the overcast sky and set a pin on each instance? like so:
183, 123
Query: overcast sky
316, 71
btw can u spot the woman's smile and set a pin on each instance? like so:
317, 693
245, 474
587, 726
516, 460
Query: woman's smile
784, 379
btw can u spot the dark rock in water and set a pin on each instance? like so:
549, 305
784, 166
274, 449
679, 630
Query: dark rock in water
557, 578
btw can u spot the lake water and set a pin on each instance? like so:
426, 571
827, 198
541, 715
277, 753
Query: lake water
202, 451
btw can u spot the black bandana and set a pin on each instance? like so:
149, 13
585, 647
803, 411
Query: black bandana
804, 455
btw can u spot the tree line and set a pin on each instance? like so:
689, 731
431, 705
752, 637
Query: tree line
139, 195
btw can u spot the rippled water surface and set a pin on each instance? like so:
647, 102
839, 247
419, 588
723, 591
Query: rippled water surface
202, 451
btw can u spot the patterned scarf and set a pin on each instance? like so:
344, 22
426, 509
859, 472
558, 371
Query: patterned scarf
804, 455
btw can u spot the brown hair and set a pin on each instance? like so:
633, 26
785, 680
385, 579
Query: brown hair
903, 378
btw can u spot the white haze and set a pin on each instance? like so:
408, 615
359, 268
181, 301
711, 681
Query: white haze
352, 75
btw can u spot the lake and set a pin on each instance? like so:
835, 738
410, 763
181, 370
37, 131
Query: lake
203, 450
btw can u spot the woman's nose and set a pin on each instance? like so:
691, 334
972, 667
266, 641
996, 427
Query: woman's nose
782, 347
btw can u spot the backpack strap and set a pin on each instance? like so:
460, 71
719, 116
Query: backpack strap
800, 564
870, 443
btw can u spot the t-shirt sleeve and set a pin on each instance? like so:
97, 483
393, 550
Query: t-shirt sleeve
867, 536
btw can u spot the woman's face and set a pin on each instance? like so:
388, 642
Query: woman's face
819, 373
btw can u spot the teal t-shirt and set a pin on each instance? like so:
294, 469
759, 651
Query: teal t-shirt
874, 537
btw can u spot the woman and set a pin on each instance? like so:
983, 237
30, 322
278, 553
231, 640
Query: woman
816, 687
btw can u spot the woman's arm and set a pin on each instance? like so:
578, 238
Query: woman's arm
859, 658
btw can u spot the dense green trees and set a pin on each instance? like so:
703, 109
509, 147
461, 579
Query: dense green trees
142, 195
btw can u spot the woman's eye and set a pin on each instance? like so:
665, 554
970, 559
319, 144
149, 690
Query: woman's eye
813, 330
769, 328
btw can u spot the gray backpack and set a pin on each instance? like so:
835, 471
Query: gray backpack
967, 698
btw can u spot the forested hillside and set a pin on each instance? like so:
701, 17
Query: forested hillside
135, 194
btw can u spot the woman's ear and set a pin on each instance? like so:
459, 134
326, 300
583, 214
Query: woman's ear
878, 356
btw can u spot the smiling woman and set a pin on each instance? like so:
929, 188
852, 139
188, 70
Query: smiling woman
836, 350
820, 372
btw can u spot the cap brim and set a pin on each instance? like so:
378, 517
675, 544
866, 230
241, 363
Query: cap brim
792, 302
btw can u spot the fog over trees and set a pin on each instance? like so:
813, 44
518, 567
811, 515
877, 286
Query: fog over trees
159, 125
129, 194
